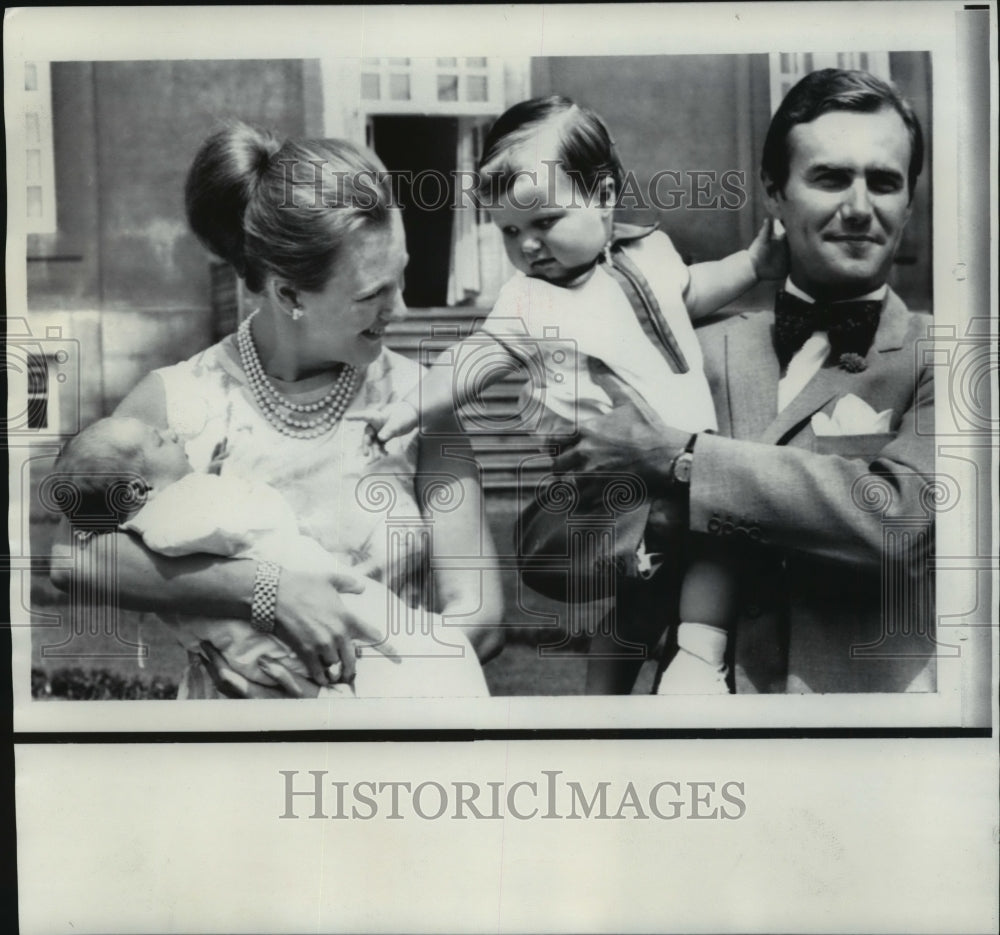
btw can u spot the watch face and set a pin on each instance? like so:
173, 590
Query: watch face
682, 468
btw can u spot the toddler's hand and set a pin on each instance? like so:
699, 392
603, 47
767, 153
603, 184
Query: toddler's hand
390, 422
769, 252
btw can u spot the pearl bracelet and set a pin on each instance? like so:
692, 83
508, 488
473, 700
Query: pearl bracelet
265, 596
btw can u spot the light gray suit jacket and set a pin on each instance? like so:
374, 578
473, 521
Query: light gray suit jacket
833, 534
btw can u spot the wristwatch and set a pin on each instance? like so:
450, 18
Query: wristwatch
680, 467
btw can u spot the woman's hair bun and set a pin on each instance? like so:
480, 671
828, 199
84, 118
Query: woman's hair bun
245, 205
221, 181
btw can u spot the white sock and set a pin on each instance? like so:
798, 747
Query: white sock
704, 641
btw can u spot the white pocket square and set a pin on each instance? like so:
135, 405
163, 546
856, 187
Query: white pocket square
851, 416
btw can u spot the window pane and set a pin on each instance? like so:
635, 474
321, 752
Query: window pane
476, 62
369, 87
31, 128
38, 375
399, 61
38, 392
34, 168
476, 88
447, 87
34, 201
399, 87
30, 77
447, 62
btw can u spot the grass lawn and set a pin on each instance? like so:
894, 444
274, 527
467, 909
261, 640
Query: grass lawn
521, 670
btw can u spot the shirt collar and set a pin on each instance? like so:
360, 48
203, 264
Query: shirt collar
876, 295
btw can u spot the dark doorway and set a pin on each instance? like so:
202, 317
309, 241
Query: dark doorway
425, 149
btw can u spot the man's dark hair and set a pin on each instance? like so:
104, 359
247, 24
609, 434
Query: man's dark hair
832, 89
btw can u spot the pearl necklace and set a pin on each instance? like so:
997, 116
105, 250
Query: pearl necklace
323, 414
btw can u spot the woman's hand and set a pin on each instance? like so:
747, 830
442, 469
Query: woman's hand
311, 619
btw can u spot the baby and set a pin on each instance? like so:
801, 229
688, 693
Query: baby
549, 177
177, 512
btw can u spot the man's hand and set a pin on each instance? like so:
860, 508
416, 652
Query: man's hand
628, 440
769, 252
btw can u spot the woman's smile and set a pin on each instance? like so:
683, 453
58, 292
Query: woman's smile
376, 331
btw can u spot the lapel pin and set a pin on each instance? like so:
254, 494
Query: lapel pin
852, 363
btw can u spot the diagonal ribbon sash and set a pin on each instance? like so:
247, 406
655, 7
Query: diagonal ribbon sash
646, 307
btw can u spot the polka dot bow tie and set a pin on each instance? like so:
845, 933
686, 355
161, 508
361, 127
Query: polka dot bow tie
850, 326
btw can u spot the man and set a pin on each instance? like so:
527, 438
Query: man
821, 486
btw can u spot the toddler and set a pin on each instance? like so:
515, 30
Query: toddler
177, 511
549, 177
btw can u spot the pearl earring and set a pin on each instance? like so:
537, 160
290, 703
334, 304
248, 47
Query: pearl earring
297, 312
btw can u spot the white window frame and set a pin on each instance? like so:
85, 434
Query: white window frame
346, 113
39, 172
787, 68
423, 74
348, 116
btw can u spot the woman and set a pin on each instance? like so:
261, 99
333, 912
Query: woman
311, 230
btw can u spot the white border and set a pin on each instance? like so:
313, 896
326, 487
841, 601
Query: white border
265, 32
840, 835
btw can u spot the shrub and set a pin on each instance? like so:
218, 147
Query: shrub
76, 684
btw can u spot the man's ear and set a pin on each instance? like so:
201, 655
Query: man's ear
774, 200
909, 212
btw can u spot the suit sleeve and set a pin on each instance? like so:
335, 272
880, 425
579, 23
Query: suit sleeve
826, 505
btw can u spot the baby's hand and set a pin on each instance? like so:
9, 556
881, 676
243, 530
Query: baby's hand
219, 454
394, 420
769, 251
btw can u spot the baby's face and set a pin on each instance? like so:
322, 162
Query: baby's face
157, 454
551, 230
